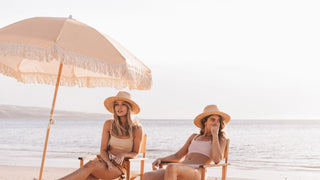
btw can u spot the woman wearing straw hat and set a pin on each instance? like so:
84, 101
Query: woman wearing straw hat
121, 138
199, 149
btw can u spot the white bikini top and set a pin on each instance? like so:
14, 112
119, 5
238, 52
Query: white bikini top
202, 147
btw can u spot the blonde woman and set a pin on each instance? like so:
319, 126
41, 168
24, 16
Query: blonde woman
202, 148
121, 138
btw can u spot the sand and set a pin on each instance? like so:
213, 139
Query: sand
28, 173
51, 173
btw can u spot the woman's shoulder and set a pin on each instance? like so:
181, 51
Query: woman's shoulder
223, 138
193, 136
138, 126
138, 129
108, 123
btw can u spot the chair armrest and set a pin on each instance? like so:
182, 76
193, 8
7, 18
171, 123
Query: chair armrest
86, 157
164, 163
201, 166
167, 162
137, 159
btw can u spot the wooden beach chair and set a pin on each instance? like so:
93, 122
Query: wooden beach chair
224, 164
130, 175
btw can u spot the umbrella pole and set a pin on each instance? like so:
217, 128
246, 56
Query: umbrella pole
51, 121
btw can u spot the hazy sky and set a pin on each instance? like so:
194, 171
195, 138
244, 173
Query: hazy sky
254, 59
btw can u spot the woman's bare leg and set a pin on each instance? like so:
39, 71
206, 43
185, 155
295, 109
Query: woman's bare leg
93, 170
92, 178
175, 171
154, 175
81, 173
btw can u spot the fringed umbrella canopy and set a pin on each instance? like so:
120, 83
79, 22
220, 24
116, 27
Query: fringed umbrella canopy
32, 50
63, 51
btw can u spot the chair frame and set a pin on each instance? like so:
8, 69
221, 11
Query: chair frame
204, 167
127, 161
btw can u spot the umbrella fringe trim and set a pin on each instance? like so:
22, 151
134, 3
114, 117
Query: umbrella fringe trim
41, 78
135, 78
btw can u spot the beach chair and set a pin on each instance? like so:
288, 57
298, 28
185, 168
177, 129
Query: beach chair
224, 164
130, 175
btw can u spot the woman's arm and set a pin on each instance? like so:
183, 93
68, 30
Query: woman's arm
105, 141
218, 146
176, 157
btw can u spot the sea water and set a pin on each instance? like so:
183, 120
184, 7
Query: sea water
254, 144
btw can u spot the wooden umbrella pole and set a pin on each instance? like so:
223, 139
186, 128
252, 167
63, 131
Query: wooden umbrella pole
51, 121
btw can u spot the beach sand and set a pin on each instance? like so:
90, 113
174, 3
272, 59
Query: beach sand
51, 173
28, 173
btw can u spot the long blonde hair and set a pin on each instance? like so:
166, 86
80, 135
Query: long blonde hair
221, 133
131, 125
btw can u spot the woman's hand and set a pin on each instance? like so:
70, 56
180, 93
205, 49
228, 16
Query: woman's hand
108, 163
118, 159
214, 129
156, 164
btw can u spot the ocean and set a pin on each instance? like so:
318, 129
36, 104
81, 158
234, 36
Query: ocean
281, 145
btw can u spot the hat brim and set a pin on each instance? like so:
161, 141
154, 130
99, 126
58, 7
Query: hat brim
197, 121
108, 103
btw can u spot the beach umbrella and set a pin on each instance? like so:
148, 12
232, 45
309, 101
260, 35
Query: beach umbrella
63, 51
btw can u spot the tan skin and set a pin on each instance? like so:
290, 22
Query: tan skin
178, 170
103, 168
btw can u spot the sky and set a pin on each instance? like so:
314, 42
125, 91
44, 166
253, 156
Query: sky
255, 59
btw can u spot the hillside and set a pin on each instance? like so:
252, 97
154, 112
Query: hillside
19, 112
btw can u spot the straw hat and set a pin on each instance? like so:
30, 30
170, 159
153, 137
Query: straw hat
122, 96
211, 110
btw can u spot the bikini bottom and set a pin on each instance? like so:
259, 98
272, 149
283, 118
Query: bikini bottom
119, 166
193, 165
